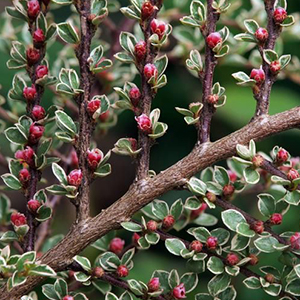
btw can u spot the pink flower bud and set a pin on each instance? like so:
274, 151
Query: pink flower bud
38, 37
33, 56
282, 156
29, 92
38, 112
33, 9
232, 176
228, 190
276, 219
41, 71
140, 50
144, 123
25, 155
153, 284
18, 219
196, 246
150, 70
135, 238
213, 39
98, 272
24, 177
270, 278
147, 10
75, 177
158, 27
258, 75
295, 241
122, 271
35, 133
275, 67
168, 222
279, 15
74, 159
33, 205
258, 227
261, 34
68, 298
116, 245
151, 225
104, 116
292, 174
196, 213
94, 157
213, 99
232, 259
212, 242
134, 95
179, 291
93, 105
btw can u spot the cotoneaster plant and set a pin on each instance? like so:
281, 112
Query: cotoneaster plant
94, 77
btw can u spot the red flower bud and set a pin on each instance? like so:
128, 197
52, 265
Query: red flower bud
279, 15
122, 271
135, 238
150, 70
18, 219
214, 39
211, 197
196, 213
38, 37
258, 227
33, 9
74, 159
232, 259
153, 284
295, 241
140, 50
168, 222
196, 246
41, 71
25, 155
282, 156
33, 205
261, 34
93, 105
116, 245
144, 123
276, 219
254, 260
33, 56
258, 160
134, 95
232, 176
212, 242
151, 225
275, 67
270, 278
35, 133
75, 177
29, 92
98, 272
258, 75
68, 298
158, 27
104, 117
228, 190
179, 291
292, 174
94, 157
133, 143
213, 99
24, 177
147, 10
38, 112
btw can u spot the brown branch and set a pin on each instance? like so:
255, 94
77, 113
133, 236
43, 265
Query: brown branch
144, 191
207, 83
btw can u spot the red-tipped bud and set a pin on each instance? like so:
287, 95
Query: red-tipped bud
74, 159
18, 219
258, 227
33, 205
140, 50
33, 56
38, 37
276, 219
179, 291
228, 190
282, 156
98, 272
29, 92
116, 245
196, 213
135, 96
254, 260
33, 9
232, 259
35, 133
135, 238
41, 71
158, 27
295, 241
258, 75
151, 225
133, 143
93, 105
147, 10
75, 177
104, 116
38, 112
24, 177
150, 70
275, 67
144, 123
232, 176
168, 222
214, 39
153, 284
258, 161
279, 15
68, 298
261, 34
25, 155
270, 278
213, 99
94, 157
211, 197
122, 271
196, 246
292, 174
212, 242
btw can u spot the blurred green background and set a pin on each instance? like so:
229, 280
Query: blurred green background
182, 89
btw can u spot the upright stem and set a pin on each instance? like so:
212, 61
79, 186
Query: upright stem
207, 83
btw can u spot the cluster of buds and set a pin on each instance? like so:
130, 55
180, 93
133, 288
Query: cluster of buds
212, 242
94, 157
116, 245
276, 219
158, 27
258, 75
33, 205
261, 35
168, 222
75, 177
213, 39
196, 246
179, 291
25, 156
279, 15
29, 93
18, 219
33, 56
140, 50
144, 123
35, 133
135, 96
153, 284
38, 113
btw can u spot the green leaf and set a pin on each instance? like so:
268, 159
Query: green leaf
83, 262
161, 64
206, 220
43, 213
176, 209
232, 218
160, 209
251, 175
270, 56
190, 281
67, 33
15, 136
204, 297
65, 122
103, 171
197, 186
215, 265
111, 296
174, 246
200, 233
49, 291
252, 283
221, 176
266, 204
135, 287
130, 226
218, 284
244, 230
102, 286
59, 173
11, 181
173, 278
127, 257
292, 198
293, 287
266, 244
251, 26
8, 236
42, 270
221, 234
